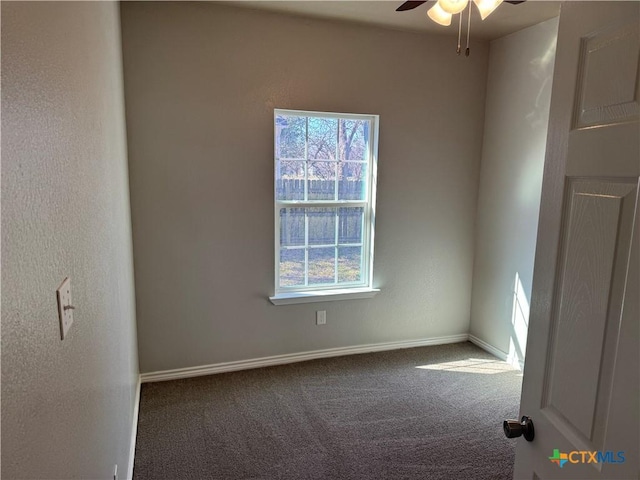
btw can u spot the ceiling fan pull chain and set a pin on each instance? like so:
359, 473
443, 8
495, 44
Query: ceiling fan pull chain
459, 33
466, 53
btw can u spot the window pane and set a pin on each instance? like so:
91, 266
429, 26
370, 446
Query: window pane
354, 136
349, 264
322, 180
290, 180
291, 226
291, 267
290, 136
323, 169
322, 226
352, 181
350, 224
323, 138
322, 265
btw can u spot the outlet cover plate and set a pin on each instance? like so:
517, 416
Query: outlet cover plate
63, 294
321, 317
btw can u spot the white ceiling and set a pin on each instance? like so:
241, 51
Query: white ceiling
504, 20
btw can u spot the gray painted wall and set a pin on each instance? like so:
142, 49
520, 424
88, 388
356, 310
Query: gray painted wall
515, 133
201, 83
67, 406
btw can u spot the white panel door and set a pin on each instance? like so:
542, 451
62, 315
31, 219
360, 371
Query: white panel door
581, 378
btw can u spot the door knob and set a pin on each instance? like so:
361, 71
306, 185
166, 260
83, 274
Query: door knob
515, 428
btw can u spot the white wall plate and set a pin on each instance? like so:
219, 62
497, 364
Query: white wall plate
65, 307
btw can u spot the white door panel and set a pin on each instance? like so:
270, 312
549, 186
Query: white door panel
581, 377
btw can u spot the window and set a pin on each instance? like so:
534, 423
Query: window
325, 170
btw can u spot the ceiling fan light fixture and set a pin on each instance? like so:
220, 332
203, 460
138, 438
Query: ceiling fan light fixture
453, 6
438, 15
485, 7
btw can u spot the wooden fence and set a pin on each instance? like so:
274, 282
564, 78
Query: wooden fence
293, 189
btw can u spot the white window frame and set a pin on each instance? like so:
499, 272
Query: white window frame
314, 293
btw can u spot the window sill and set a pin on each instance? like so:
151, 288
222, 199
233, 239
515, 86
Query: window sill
323, 296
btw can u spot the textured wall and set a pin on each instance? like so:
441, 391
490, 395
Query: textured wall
66, 405
515, 133
201, 83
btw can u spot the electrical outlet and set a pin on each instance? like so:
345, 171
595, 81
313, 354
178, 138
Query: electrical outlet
321, 317
115, 472
65, 307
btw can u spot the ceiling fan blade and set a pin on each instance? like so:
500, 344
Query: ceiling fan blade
514, 2
409, 6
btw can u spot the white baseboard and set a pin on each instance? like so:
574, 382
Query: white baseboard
134, 432
489, 348
295, 357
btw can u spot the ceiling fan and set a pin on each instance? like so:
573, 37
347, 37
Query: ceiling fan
443, 10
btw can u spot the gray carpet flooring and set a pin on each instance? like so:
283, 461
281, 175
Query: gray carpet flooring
421, 413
